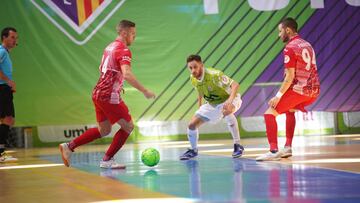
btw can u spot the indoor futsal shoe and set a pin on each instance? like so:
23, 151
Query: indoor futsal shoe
111, 164
286, 152
189, 154
238, 151
5, 158
65, 153
269, 156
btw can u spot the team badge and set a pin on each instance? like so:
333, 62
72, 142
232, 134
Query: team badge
286, 59
224, 79
209, 88
79, 20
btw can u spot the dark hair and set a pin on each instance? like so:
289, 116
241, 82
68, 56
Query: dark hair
290, 23
193, 57
5, 32
124, 24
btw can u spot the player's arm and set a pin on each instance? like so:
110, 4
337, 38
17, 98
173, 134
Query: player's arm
7, 80
289, 77
3, 76
131, 79
199, 100
234, 90
228, 107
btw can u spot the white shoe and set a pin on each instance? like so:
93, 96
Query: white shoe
111, 164
286, 152
5, 158
269, 157
65, 153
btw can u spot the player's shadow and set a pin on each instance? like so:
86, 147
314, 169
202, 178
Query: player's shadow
194, 178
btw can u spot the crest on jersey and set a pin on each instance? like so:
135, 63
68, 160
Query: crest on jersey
224, 79
79, 20
286, 59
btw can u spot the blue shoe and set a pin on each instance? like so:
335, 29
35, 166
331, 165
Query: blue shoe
238, 151
189, 154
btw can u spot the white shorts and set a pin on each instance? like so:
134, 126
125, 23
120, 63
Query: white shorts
213, 114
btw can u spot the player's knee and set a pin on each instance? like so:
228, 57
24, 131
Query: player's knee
192, 126
130, 127
231, 120
104, 131
271, 111
127, 126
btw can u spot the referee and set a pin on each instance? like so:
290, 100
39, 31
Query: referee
7, 88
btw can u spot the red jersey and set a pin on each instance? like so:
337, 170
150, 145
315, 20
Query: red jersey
300, 55
111, 78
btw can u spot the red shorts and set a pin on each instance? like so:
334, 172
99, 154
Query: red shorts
112, 112
293, 100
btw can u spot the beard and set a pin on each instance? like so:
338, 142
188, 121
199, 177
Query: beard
285, 38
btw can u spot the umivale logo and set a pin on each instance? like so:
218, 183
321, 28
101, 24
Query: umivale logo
79, 20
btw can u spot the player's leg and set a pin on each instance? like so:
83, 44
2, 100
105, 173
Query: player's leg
193, 137
120, 115
119, 139
103, 129
271, 132
233, 126
7, 116
290, 100
193, 131
5, 126
290, 125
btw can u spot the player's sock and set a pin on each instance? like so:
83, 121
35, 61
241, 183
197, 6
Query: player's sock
118, 141
88, 136
290, 128
193, 136
2, 148
233, 128
271, 131
4, 133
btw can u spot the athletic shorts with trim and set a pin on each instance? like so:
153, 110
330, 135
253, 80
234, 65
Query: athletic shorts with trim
6, 101
213, 114
112, 112
293, 100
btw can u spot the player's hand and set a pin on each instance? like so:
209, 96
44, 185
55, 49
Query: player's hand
228, 108
149, 94
274, 102
12, 84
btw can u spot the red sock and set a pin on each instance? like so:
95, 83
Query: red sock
290, 127
88, 136
271, 131
118, 141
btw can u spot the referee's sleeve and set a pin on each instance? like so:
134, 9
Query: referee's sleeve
2, 56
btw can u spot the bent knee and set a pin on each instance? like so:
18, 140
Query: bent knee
192, 126
104, 131
130, 127
126, 126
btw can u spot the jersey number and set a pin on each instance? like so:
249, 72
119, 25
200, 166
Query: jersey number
104, 66
307, 58
211, 97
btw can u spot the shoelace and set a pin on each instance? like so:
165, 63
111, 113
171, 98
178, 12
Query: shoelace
189, 151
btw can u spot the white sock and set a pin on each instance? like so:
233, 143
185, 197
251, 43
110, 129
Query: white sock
233, 128
193, 136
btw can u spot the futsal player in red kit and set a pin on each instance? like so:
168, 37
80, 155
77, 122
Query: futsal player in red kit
300, 88
115, 67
